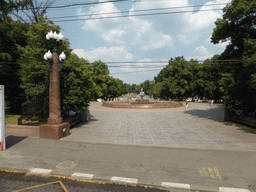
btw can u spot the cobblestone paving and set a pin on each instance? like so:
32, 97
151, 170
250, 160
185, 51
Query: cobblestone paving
199, 126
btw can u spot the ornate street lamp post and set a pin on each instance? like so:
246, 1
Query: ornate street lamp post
55, 127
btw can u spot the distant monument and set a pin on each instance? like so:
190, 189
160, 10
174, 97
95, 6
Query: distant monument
141, 100
142, 94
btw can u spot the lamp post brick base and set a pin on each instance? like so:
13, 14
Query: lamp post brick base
54, 131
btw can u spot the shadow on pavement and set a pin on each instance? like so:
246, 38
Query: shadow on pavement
84, 122
214, 113
244, 128
13, 140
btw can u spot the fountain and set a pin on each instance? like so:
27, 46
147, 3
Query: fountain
142, 103
141, 100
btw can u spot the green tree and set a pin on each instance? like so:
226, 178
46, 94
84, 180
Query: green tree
115, 87
212, 74
33, 69
126, 88
177, 79
133, 88
11, 35
147, 87
8, 7
76, 84
100, 78
238, 26
32, 10
197, 84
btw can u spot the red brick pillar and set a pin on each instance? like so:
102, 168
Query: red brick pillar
55, 127
54, 93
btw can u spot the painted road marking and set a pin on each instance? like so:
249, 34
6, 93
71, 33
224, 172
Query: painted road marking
124, 179
82, 175
61, 184
224, 189
41, 171
176, 185
217, 172
209, 172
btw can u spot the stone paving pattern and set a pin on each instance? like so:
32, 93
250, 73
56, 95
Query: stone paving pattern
199, 126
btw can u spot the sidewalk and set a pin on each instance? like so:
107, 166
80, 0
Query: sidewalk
182, 148
200, 126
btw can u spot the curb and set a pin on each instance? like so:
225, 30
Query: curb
116, 180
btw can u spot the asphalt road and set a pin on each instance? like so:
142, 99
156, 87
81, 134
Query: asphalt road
10, 182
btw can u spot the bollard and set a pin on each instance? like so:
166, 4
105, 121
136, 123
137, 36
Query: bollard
2, 119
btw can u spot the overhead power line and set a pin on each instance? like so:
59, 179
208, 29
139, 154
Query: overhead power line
140, 10
134, 72
148, 14
76, 4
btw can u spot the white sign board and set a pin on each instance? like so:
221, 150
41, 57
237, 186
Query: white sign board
2, 119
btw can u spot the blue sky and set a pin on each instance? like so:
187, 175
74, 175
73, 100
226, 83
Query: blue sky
140, 38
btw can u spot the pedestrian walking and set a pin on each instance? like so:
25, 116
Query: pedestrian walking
212, 102
186, 104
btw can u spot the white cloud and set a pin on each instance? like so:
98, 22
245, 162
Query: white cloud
158, 40
99, 11
145, 37
126, 31
113, 35
187, 38
205, 19
201, 50
105, 54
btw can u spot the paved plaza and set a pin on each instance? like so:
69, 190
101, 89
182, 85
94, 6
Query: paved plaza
199, 126
180, 148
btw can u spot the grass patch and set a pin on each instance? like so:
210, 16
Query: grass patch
13, 119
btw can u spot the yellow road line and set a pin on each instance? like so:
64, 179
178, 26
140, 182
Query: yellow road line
205, 172
211, 172
217, 172
63, 187
201, 171
61, 184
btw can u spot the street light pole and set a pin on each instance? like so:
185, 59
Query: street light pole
55, 127
54, 93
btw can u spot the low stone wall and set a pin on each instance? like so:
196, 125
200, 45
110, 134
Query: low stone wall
251, 121
22, 130
141, 106
33, 131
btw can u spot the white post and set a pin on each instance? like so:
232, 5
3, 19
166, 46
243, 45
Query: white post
2, 119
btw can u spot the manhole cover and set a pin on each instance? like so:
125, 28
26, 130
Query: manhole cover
66, 165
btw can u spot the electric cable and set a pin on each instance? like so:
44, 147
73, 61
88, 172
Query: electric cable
148, 14
140, 10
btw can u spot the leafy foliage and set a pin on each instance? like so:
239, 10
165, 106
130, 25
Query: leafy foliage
238, 80
10, 6
33, 69
11, 35
76, 84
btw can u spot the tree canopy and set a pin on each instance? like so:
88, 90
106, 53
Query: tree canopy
237, 26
